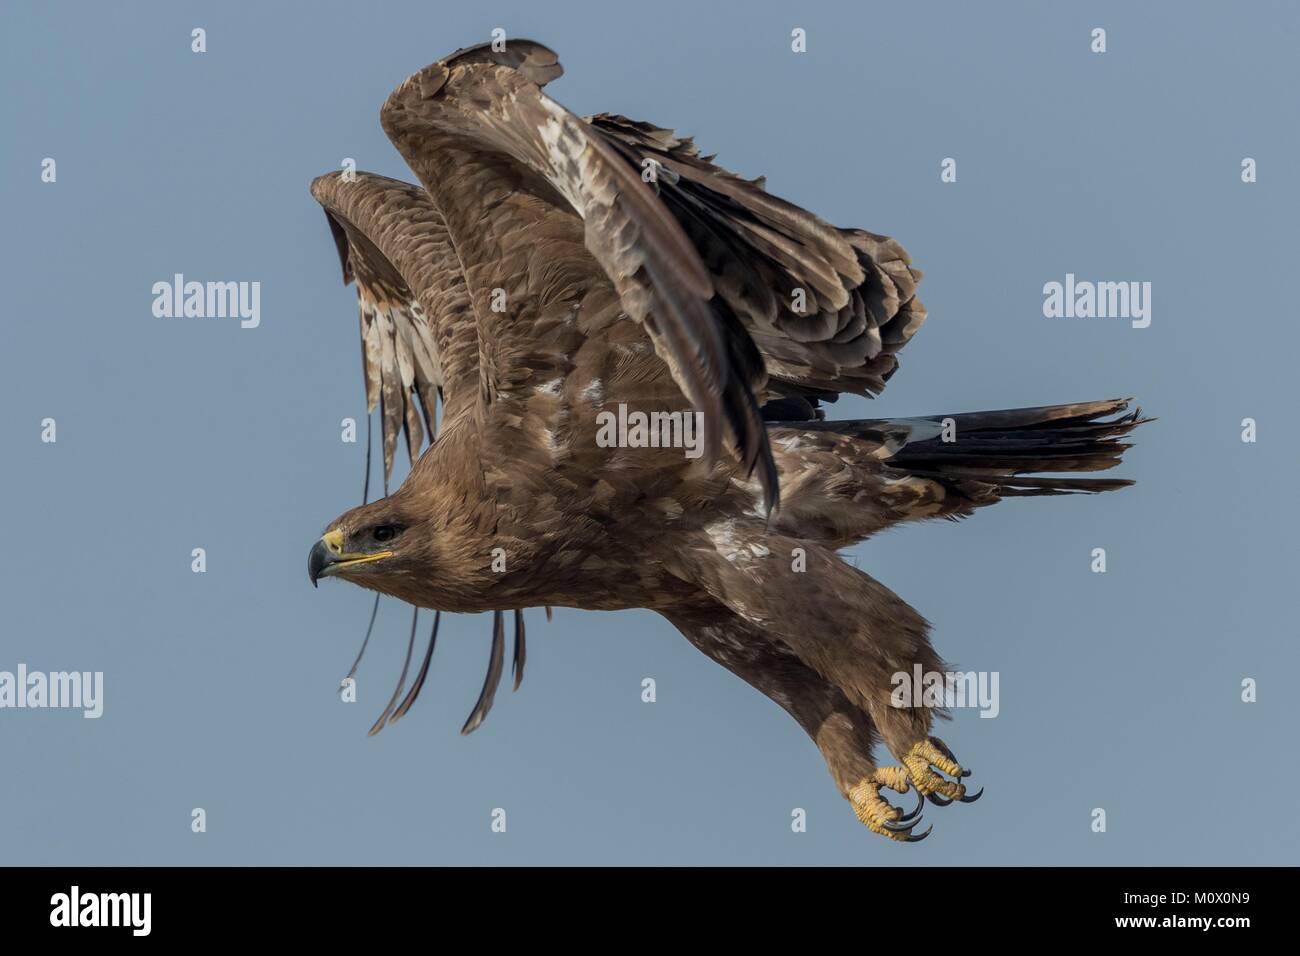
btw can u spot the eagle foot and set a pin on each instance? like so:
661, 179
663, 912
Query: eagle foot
929, 755
879, 815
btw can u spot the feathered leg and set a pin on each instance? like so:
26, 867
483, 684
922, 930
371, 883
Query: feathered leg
843, 733
839, 622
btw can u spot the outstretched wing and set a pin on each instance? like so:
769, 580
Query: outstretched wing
729, 282
418, 337
828, 308
477, 128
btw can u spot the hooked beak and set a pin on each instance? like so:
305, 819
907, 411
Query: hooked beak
327, 557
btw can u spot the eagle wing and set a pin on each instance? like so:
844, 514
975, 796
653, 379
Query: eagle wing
418, 339
745, 297
828, 308
478, 121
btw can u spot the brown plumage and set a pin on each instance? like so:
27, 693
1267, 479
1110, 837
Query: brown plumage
551, 268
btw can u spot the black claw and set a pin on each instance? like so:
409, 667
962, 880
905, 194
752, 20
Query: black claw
898, 826
972, 797
943, 748
964, 774
918, 837
916, 811
937, 800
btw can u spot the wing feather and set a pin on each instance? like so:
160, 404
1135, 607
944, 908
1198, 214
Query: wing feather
488, 103
416, 335
859, 289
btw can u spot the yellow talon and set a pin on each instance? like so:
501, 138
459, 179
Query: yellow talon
932, 752
875, 812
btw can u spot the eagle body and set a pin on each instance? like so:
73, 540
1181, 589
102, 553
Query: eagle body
550, 269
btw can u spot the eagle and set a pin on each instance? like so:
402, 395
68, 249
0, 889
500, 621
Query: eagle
550, 269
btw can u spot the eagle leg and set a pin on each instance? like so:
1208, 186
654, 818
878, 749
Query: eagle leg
844, 733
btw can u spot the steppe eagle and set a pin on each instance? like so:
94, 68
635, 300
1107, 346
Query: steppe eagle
551, 268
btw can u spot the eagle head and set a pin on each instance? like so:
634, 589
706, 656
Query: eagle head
365, 546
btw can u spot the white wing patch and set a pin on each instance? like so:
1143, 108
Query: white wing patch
730, 546
550, 388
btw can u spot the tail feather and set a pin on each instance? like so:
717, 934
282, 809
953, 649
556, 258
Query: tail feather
1010, 486
943, 466
1003, 448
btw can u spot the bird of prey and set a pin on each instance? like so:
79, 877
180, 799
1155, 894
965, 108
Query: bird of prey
550, 268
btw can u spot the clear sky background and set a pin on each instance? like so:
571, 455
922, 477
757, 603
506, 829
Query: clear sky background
1118, 690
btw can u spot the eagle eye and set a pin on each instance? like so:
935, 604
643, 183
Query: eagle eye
386, 532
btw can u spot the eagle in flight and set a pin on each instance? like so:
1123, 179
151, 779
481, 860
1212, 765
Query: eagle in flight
550, 268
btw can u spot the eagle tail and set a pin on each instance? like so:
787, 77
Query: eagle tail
944, 466
1023, 451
